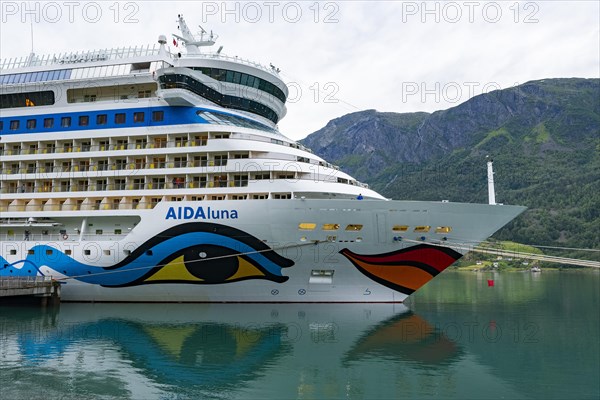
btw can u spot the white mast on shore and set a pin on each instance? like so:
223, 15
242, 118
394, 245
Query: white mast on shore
490, 177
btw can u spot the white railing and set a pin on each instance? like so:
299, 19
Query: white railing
79, 57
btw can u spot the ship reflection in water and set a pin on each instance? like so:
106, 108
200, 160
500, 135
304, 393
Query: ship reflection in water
469, 342
129, 350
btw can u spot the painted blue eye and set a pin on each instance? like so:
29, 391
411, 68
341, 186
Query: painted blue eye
196, 252
208, 264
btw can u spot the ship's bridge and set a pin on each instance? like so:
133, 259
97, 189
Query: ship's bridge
230, 82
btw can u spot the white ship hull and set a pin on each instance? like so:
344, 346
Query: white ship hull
145, 175
256, 251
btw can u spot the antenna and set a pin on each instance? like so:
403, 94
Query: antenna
190, 42
31, 35
32, 54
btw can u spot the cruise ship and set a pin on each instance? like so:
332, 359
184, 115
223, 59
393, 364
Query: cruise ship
159, 174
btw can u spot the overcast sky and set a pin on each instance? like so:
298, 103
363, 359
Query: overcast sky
343, 56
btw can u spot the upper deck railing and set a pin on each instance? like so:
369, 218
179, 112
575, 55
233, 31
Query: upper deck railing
121, 53
79, 57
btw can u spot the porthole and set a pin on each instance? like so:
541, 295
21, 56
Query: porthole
422, 228
331, 227
443, 229
307, 226
354, 227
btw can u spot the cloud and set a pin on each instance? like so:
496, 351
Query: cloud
344, 56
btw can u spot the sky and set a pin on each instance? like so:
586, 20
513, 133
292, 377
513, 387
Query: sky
339, 57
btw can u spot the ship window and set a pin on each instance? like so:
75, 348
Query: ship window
400, 228
14, 125
120, 118
84, 120
68, 252
65, 122
1, 125
87, 252
158, 116
48, 122
331, 227
31, 124
307, 226
138, 117
354, 227
49, 252
13, 252
101, 119
98, 231
422, 228
443, 229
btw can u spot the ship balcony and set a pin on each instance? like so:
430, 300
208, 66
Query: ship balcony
181, 97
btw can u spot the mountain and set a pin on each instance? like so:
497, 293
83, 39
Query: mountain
544, 137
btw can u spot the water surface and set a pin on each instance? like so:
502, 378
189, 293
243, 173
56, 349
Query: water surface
528, 336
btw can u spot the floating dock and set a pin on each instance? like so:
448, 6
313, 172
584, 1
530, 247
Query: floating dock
42, 290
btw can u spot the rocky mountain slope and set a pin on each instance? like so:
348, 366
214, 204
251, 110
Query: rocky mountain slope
543, 135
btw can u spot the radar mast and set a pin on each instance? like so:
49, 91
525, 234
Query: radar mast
193, 43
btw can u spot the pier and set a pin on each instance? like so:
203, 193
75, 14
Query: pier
27, 290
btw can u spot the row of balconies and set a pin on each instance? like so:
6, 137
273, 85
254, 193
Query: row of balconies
62, 146
111, 165
138, 183
125, 203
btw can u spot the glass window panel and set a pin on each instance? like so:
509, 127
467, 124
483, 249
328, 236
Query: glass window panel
45, 76
68, 73
119, 118
28, 77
